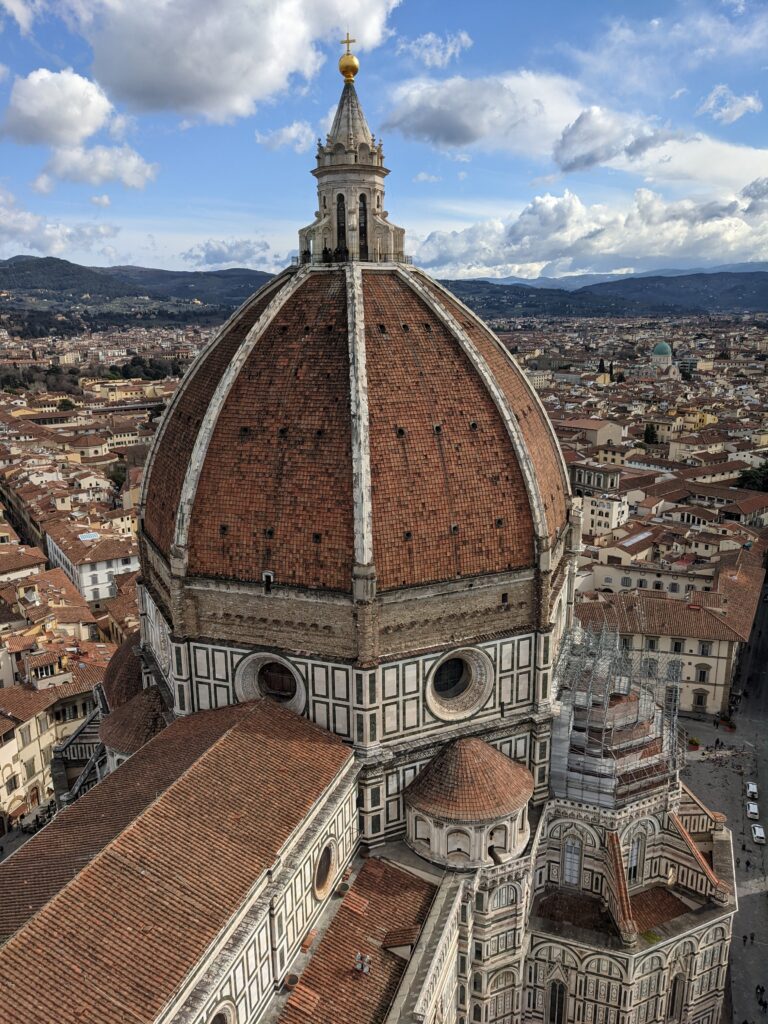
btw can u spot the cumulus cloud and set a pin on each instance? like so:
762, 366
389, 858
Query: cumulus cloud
298, 135
95, 166
560, 233
527, 113
435, 51
725, 106
55, 108
221, 252
102, 200
22, 231
598, 136
216, 61
423, 176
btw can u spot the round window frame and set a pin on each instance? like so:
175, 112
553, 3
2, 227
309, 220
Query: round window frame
321, 891
247, 686
473, 698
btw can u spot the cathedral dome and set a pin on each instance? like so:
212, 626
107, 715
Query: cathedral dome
470, 781
661, 348
354, 415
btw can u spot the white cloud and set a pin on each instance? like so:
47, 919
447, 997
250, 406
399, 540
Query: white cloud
22, 231
55, 108
435, 51
647, 56
3, 72
298, 135
527, 114
423, 176
725, 106
97, 165
221, 252
102, 200
217, 60
558, 234
462, 175
22, 11
598, 136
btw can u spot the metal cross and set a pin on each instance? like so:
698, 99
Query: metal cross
346, 42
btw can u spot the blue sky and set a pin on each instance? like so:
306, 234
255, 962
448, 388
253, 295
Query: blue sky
523, 139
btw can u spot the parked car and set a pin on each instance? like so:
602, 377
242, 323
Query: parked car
751, 791
753, 811
758, 834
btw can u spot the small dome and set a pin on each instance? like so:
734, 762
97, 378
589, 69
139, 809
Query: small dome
470, 781
122, 679
661, 348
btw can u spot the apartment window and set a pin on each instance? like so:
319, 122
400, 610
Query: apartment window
125, 561
24, 735
675, 671
678, 646
71, 712
705, 648
626, 581
42, 723
658, 585
689, 587
642, 584
609, 579
29, 769
572, 861
94, 580
626, 643
12, 783
700, 700
702, 673
674, 588
652, 643
649, 667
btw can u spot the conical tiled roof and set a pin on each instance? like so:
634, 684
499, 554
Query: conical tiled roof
349, 124
471, 781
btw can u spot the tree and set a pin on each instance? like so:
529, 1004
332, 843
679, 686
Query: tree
117, 473
650, 435
66, 405
755, 479
601, 365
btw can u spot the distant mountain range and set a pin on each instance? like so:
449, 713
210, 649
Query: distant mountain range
38, 287
32, 274
575, 281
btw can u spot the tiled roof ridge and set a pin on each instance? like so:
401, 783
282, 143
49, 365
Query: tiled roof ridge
622, 892
107, 848
697, 854
714, 815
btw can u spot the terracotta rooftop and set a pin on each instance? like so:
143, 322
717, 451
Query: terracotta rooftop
130, 726
452, 494
142, 876
383, 898
122, 679
470, 781
655, 906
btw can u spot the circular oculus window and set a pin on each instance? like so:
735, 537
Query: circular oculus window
324, 871
459, 684
266, 675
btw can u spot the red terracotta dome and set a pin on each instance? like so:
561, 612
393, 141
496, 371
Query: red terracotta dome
470, 781
354, 414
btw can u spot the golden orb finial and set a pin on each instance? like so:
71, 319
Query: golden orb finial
349, 65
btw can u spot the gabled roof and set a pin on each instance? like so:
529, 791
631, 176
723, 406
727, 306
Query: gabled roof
139, 876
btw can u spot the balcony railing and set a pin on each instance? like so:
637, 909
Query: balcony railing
344, 256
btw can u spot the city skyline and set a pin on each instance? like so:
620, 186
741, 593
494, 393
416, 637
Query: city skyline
163, 134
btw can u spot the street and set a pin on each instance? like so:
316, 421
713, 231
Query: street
719, 778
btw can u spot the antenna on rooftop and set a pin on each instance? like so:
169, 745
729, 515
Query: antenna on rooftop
362, 963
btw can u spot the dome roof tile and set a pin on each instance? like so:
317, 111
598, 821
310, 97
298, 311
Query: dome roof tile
470, 781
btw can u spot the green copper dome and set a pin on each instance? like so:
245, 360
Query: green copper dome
661, 348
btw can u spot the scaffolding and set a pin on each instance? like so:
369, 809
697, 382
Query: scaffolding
615, 734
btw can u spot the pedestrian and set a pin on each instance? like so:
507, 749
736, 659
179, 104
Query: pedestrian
743, 846
749, 865
738, 861
752, 941
745, 939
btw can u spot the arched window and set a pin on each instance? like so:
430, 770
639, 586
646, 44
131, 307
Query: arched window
635, 864
675, 1002
363, 222
341, 222
556, 1012
423, 831
572, 861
